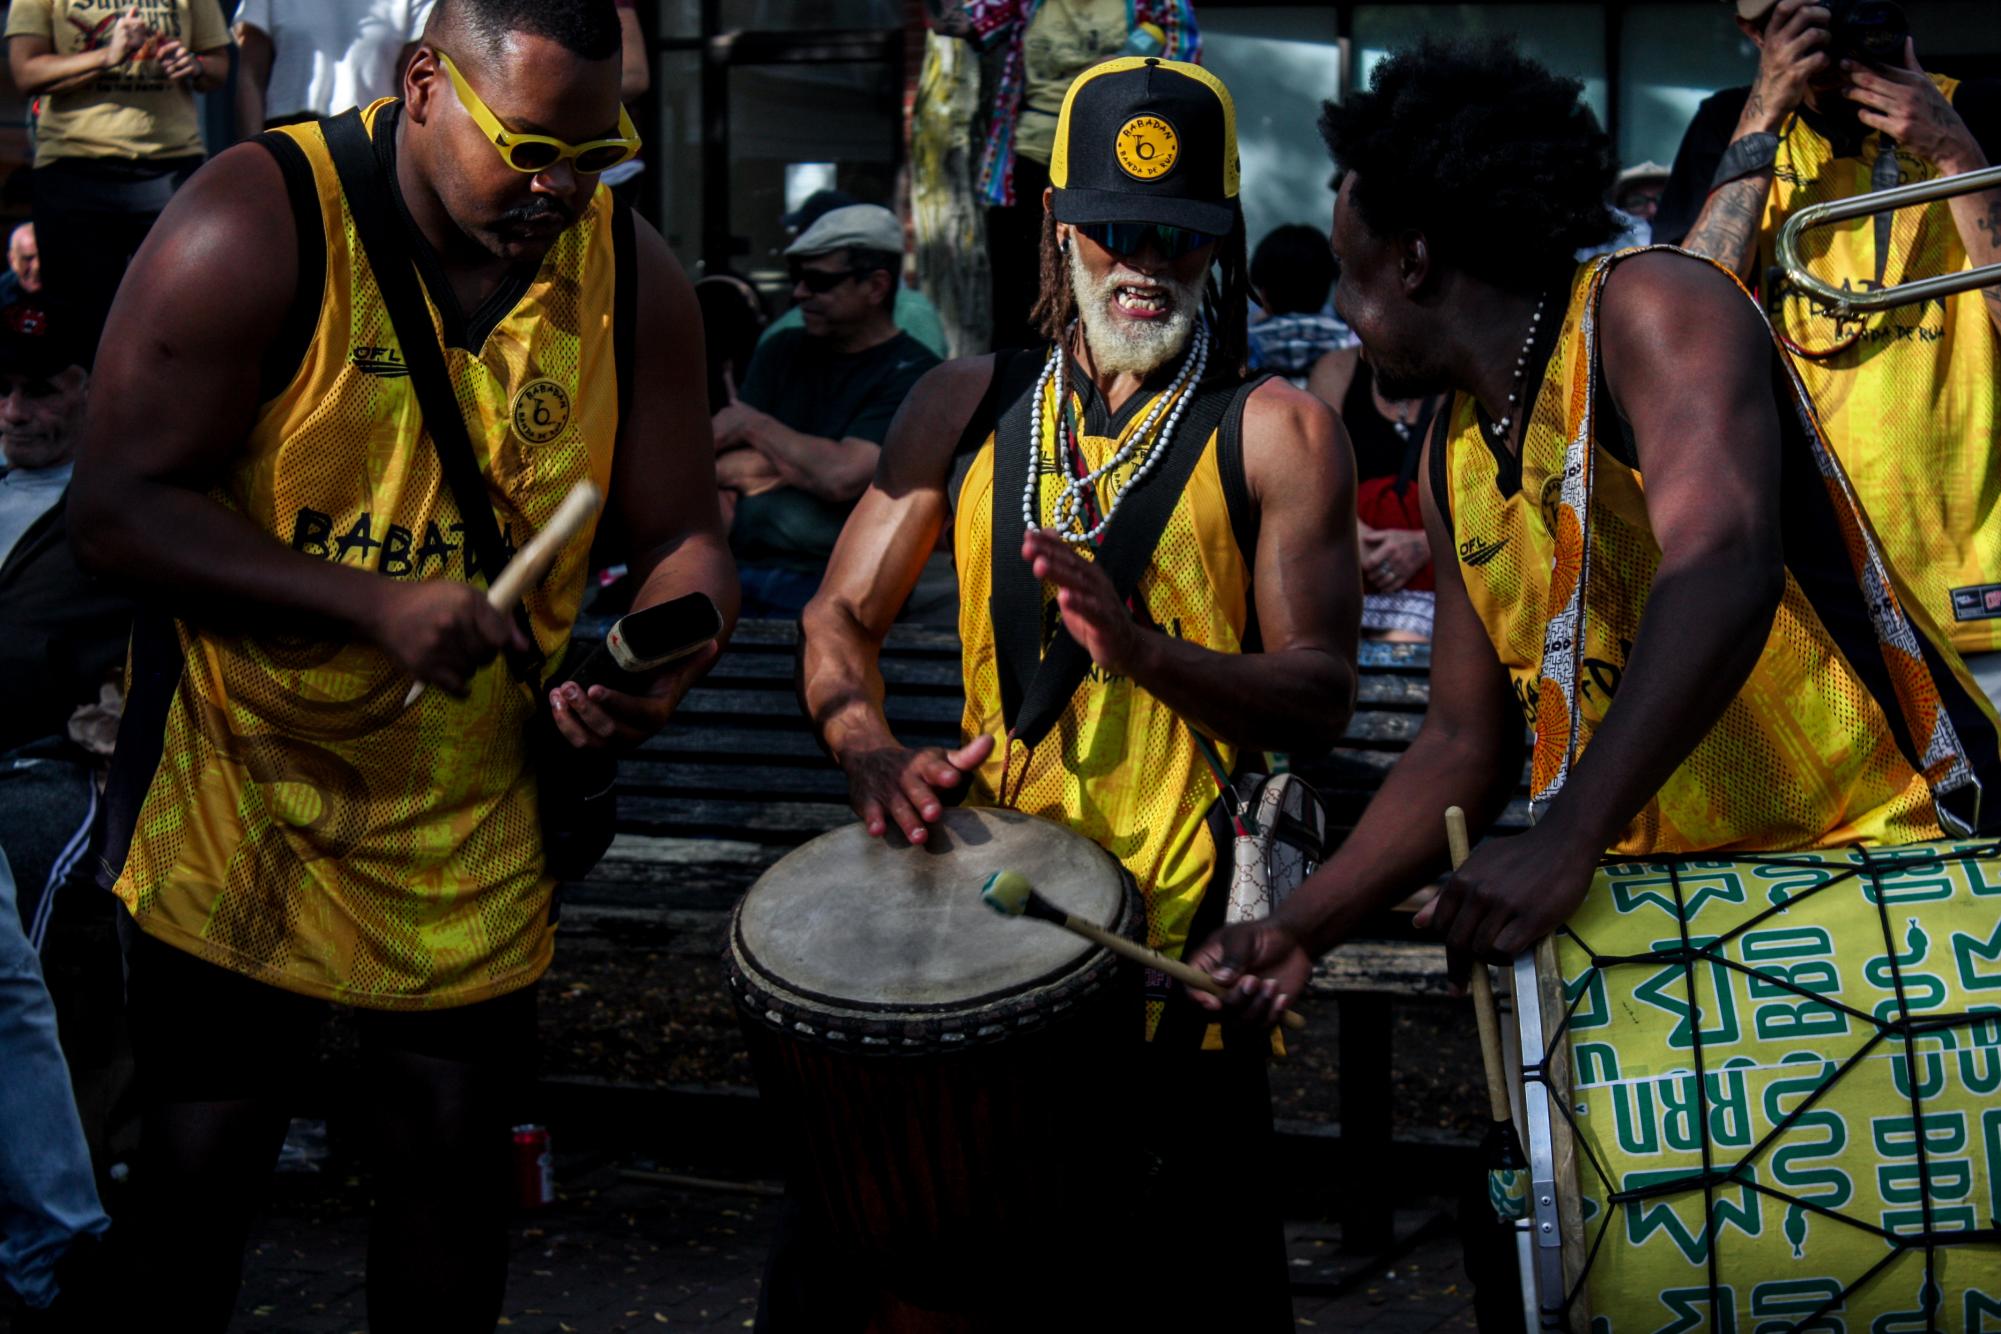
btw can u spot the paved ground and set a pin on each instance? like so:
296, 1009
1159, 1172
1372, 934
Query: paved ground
619, 1253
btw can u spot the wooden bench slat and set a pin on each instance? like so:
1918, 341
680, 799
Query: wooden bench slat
645, 776
781, 705
759, 821
753, 670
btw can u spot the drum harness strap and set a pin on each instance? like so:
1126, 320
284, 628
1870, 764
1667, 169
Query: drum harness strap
1956, 790
1037, 684
1268, 831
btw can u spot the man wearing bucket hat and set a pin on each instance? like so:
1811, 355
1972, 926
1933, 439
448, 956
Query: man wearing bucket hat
1908, 395
1157, 575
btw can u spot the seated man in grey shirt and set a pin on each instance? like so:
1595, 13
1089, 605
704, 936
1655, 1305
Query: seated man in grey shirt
798, 446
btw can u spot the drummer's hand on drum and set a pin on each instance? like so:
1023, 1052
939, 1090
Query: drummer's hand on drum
1510, 894
894, 785
1263, 963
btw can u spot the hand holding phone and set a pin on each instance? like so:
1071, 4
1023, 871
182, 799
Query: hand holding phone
640, 643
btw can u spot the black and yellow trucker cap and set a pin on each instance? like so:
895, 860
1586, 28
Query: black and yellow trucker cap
1147, 140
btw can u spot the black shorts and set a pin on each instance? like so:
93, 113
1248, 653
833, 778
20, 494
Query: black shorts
202, 1033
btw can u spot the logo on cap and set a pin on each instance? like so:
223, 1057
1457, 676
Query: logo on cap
1147, 147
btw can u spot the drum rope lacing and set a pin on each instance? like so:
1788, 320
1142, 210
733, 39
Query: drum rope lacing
1909, 1028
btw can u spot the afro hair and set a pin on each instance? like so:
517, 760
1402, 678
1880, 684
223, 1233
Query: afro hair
1496, 161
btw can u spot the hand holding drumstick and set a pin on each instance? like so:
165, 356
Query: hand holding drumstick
482, 630
1010, 894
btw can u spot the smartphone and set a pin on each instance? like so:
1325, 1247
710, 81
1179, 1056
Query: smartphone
640, 643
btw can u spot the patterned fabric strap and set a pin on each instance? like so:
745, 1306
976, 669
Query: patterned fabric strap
1941, 758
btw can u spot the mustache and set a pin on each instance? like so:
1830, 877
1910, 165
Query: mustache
535, 210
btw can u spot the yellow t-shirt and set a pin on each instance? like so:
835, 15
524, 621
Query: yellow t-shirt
1065, 38
1911, 396
135, 111
299, 824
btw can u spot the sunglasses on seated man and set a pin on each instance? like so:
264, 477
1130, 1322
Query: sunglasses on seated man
538, 152
1129, 238
822, 281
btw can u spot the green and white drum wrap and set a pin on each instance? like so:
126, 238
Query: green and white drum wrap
1764, 1094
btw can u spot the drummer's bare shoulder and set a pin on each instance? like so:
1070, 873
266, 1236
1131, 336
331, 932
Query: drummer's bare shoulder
1300, 471
207, 292
1294, 447
1672, 323
924, 436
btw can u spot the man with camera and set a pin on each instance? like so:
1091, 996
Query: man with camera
1907, 395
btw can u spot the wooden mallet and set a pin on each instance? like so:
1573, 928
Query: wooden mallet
1507, 1168
533, 561
1010, 894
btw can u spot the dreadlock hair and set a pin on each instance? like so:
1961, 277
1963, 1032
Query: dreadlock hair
1226, 302
588, 28
1498, 162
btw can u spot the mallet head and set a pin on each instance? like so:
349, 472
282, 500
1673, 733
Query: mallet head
1007, 893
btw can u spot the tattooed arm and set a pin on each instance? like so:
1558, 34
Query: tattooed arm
1791, 51
1978, 218
1727, 228
1907, 105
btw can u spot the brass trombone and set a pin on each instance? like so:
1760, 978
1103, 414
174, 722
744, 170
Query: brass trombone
1845, 302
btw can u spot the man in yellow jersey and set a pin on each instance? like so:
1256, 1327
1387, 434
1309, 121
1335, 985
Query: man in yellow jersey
283, 830
1114, 448
1910, 396
1744, 681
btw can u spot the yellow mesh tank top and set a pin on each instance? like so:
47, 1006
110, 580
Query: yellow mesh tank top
1802, 758
301, 826
1909, 395
1119, 767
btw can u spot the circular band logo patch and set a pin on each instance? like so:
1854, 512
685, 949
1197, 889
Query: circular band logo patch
1147, 147
541, 411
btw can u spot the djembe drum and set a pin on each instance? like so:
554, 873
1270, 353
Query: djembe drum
1764, 1094
946, 1078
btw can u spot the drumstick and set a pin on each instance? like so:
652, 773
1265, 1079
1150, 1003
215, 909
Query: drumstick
1010, 894
1507, 1189
532, 561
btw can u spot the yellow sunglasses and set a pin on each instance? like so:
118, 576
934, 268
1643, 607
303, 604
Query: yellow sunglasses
538, 152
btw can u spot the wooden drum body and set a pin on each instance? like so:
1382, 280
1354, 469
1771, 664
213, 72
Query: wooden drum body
1772, 1099
945, 1078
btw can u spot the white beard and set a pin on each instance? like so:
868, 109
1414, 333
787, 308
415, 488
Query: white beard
1123, 346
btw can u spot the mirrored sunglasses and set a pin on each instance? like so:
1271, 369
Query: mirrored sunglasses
1129, 238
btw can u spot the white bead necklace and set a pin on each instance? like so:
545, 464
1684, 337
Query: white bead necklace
1067, 518
1499, 429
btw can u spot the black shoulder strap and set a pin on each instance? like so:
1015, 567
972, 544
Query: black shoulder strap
396, 277
1441, 489
1236, 485
1037, 687
287, 351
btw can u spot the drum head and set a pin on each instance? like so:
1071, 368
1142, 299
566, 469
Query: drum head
865, 926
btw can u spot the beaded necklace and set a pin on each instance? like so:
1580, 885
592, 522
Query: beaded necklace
1080, 482
1499, 429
